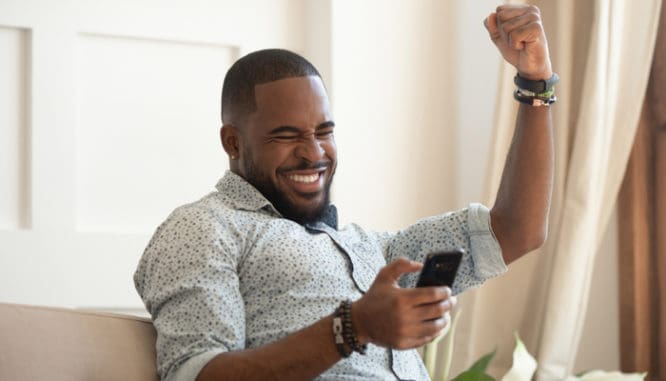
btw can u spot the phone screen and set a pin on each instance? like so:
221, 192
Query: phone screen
439, 269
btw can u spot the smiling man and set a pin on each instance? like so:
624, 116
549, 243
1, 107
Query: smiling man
256, 281
284, 145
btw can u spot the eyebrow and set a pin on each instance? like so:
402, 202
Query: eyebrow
295, 130
328, 123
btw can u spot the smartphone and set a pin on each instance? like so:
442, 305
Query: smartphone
439, 269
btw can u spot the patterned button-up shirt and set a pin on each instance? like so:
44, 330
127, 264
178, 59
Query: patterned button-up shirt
228, 273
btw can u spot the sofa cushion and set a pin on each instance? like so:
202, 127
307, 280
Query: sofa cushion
44, 343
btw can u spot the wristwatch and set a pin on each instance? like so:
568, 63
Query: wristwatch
538, 87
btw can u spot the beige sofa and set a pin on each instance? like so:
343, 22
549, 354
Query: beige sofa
43, 343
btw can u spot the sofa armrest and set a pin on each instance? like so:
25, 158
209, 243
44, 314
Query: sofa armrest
44, 343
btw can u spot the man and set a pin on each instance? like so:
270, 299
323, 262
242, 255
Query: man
244, 283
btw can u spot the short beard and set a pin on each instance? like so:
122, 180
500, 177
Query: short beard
288, 210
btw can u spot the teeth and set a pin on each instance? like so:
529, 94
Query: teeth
304, 179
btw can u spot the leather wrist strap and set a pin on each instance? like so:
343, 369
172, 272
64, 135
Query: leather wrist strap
538, 87
339, 338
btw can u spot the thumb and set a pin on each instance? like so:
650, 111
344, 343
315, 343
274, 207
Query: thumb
393, 271
491, 25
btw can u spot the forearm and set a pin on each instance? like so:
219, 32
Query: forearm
520, 215
300, 356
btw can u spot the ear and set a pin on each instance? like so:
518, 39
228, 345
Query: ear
230, 138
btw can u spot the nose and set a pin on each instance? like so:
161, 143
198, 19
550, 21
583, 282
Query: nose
310, 149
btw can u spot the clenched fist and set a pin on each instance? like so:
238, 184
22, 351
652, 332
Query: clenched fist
518, 33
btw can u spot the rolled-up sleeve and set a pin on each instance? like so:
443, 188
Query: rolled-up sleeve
188, 281
468, 228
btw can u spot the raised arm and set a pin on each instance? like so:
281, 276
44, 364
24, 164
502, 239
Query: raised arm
520, 215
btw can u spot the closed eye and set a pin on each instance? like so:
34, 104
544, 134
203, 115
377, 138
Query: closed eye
291, 133
285, 138
285, 133
325, 133
325, 130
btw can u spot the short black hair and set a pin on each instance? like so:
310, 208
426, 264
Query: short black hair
259, 67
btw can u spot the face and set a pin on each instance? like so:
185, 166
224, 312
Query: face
287, 149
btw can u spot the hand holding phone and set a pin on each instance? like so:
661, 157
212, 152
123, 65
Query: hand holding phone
439, 269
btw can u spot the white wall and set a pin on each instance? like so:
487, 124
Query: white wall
109, 118
393, 94
477, 68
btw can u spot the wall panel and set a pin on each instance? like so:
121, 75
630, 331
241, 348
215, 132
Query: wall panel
147, 128
14, 128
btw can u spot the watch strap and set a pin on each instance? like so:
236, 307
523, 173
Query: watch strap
540, 86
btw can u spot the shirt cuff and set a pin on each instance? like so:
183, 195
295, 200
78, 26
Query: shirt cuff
485, 250
190, 369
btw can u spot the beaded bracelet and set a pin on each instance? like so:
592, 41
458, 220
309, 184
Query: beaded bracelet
536, 100
344, 332
348, 330
545, 95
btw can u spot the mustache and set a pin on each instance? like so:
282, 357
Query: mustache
304, 165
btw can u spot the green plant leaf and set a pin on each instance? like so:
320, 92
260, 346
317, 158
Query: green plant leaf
580, 374
482, 364
473, 375
523, 366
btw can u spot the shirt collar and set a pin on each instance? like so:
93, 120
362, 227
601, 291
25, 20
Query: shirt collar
243, 195
330, 217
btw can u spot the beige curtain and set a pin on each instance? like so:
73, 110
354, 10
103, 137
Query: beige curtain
602, 50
